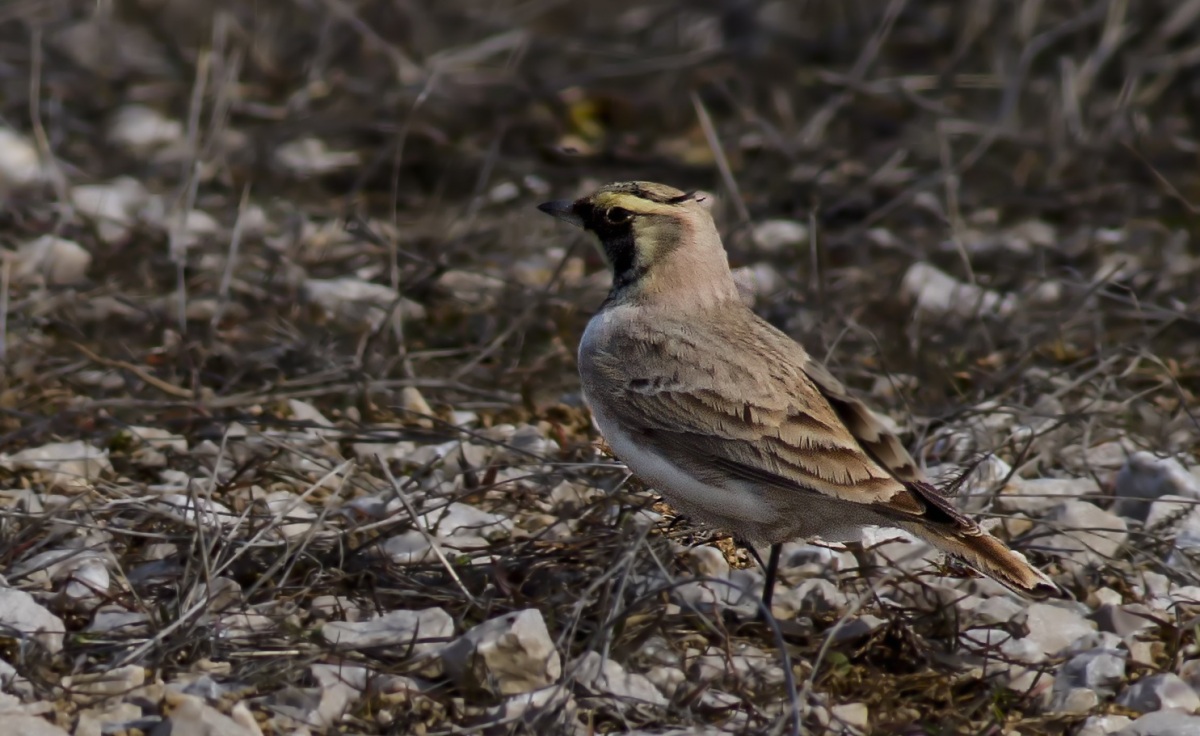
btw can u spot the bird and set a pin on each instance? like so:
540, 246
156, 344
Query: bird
729, 418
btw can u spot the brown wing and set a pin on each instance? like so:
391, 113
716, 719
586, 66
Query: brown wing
866, 427
784, 423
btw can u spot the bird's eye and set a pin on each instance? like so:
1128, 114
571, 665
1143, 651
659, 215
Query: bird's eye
617, 215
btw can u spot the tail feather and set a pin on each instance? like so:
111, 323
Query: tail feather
946, 528
991, 557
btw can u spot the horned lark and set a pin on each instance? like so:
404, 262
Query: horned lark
729, 418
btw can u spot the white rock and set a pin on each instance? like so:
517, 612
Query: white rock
413, 402
1153, 584
409, 548
1189, 671
666, 679
1075, 700
19, 162
220, 594
189, 229
1163, 723
424, 630
52, 260
142, 128
387, 451
332, 607
1105, 597
292, 514
477, 291
311, 157
72, 465
116, 718
55, 565
741, 593
1094, 460
1103, 725
856, 628
657, 649
850, 718
884, 238
156, 439
431, 455
460, 519
191, 716
1145, 477
361, 305
1088, 534
19, 724
1095, 640
21, 614
601, 675
998, 609
820, 596
938, 294
743, 666
1186, 552
568, 497
1141, 653
1184, 595
105, 683
983, 639
1019, 239
773, 236
197, 511
757, 281
1127, 619
708, 561
1172, 513
1160, 692
174, 480
505, 191
745, 590
339, 686
1034, 233
553, 709
118, 621
305, 413
113, 206
507, 655
799, 560
1029, 681
88, 583
1023, 650
8, 676
1035, 495
460, 418
1055, 627
1102, 670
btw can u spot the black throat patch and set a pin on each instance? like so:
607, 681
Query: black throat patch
617, 241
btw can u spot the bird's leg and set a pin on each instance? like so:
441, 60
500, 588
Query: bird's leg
772, 569
751, 549
866, 564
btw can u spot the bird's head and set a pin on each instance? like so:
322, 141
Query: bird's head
656, 238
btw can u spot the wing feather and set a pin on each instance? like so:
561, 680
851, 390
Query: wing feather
785, 424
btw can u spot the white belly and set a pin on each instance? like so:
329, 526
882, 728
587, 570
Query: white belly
731, 508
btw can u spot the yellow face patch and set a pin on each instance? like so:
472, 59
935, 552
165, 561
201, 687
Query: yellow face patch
631, 202
639, 196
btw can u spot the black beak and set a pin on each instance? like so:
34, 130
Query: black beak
564, 210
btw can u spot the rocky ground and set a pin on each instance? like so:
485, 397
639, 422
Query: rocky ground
290, 432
